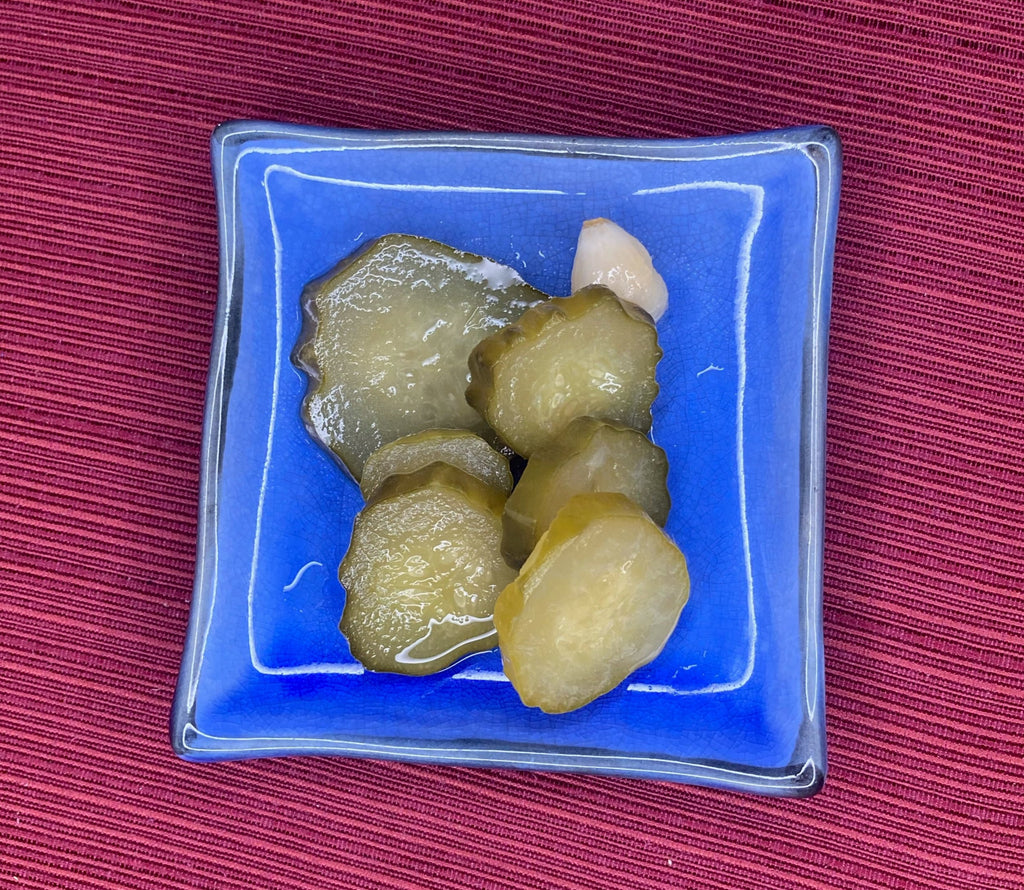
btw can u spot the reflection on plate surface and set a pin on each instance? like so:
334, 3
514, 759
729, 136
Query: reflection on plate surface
742, 229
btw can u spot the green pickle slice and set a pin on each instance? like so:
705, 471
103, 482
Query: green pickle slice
423, 571
598, 598
588, 354
386, 338
590, 455
460, 448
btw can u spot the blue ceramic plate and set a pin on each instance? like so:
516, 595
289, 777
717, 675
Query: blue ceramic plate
742, 229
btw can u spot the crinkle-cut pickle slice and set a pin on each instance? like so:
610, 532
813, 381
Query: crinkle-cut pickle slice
598, 598
588, 354
386, 339
590, 455
423, 571
460, 448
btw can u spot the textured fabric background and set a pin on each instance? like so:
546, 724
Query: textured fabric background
108, 261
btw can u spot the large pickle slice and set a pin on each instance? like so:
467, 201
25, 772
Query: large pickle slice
590, 455
598, 598
460, 448
386, 338
588, 354
423, 571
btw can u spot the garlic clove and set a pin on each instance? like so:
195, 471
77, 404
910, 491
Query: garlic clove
607, 254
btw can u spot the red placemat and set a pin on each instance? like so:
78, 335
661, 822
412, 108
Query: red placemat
108, 272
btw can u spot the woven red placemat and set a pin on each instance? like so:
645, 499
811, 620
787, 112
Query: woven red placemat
107, 291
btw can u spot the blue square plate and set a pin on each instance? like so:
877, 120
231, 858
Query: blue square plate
742, 229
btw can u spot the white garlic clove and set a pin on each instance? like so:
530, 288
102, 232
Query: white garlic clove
607, 254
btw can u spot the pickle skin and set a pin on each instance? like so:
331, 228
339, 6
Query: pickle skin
590, 455
598, 598
386, 336
620, 361
422, 572
460, 448
441, 474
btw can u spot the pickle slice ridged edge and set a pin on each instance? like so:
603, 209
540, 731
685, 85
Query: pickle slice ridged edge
303, 355
473, 447
489, 352
440, 473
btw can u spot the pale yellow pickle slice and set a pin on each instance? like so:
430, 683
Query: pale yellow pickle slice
585, 355
423, 571
460, 448
386, 338
590, 455
598, 598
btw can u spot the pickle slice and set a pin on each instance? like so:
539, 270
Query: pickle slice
423, 571
590, 455
386, 338
460, 448
598, 598
588, 354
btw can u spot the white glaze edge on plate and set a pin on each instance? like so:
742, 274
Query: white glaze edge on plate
827, 172
802, 779
402, 186
606, 148
208, 559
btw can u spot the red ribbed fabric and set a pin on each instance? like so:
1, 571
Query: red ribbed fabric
108, 269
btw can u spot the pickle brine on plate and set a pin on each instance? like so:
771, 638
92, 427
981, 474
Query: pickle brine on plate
423, 571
